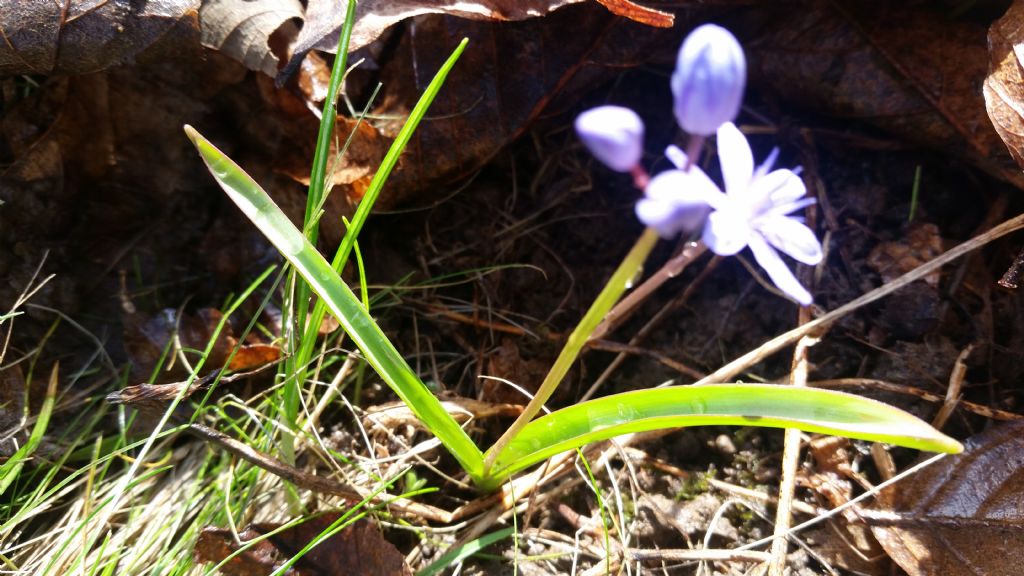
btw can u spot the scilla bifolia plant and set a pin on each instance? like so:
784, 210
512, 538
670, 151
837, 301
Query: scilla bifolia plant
752, 211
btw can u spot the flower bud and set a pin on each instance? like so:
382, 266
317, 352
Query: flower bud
708, 81
614, 135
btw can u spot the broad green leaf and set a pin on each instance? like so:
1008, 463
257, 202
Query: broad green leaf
381, 354
809, 409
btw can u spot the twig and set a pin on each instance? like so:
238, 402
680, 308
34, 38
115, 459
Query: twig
671, 269
655, 320
698, 555
790, 458
953, 395
993, 413
730, 370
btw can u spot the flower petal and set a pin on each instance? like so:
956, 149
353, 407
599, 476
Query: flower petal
737, 160
727, 232
777, 270
677, 201
614, 135
792, 237
658, 214
692, 187
676, 156
778, 187
670, 218
765, 166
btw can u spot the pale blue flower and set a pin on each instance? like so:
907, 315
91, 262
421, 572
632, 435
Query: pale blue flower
708, 81
614, 135
753, 211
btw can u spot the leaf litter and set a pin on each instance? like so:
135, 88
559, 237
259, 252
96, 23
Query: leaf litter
80, 141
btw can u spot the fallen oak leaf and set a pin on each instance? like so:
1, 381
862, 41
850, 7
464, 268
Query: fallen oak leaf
482, 107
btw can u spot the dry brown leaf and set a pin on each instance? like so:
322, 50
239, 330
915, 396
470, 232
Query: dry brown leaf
1004, 86
146, 339
512, 74
963, 515
86, 36
324, 18
242, 29
920, 244
358, 549
920, 80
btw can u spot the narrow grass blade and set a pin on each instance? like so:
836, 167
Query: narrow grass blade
9, 470
808, 409
460, 553
357, 322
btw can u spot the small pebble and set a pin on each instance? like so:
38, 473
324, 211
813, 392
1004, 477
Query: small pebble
724, 444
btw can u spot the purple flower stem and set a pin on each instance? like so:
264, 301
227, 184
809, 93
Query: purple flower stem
693, 149
640, 177
617, 315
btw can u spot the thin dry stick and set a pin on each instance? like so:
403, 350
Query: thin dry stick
980, 410
626, 306
730, 370
953, 395
790, 458
698, 555
655, 320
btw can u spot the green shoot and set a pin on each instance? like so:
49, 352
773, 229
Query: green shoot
914, 193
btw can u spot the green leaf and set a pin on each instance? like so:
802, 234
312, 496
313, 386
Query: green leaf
381, 354
809, 409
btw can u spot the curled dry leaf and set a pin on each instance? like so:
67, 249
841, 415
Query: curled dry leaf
1004, 86
324, 18
83, 37
245, 30
963, 515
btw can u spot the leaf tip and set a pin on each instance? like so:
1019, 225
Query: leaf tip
951, 446
192, 134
